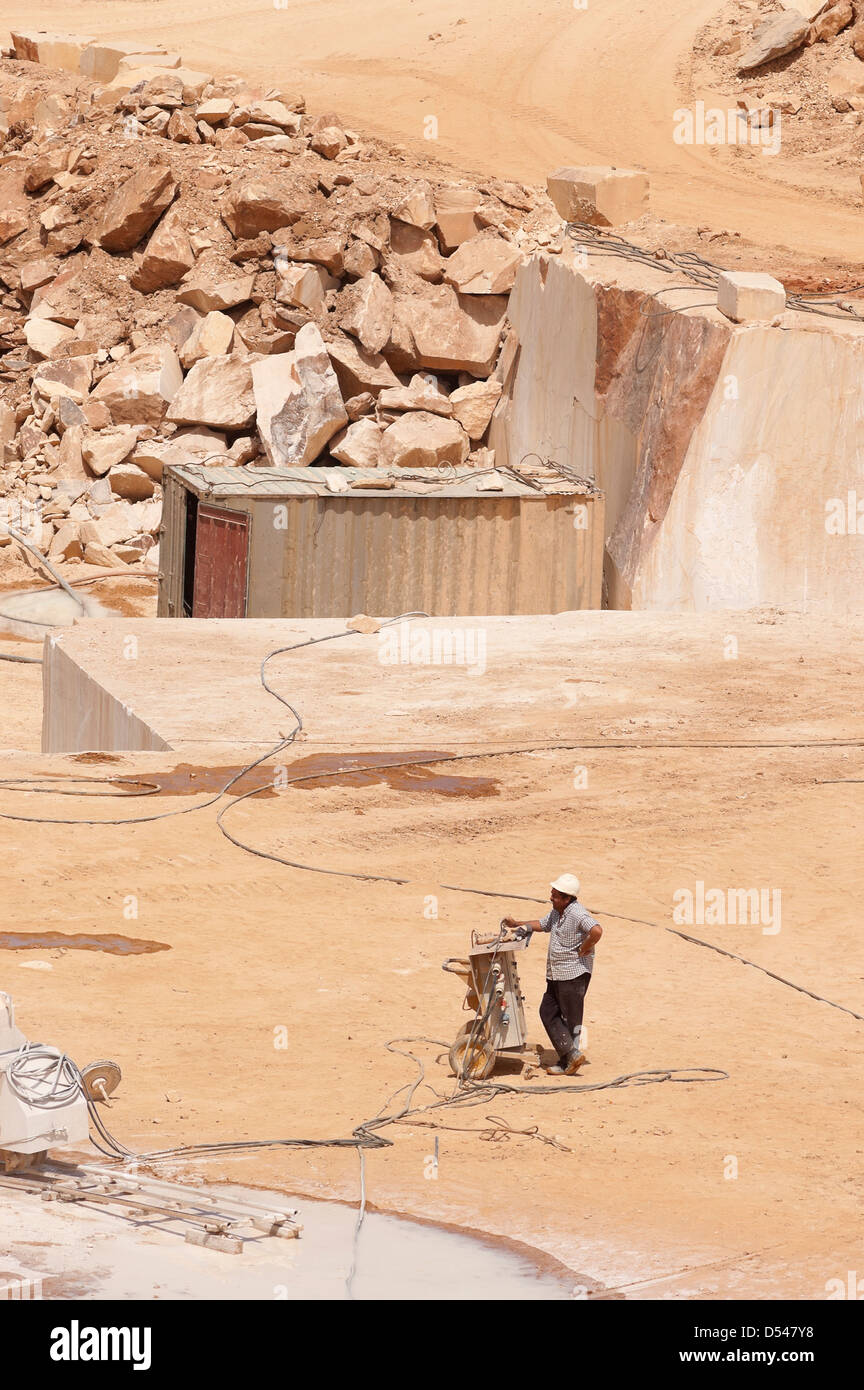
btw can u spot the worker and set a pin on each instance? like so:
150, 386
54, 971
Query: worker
573, 934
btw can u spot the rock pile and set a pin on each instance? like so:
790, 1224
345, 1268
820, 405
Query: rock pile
799, 60
191, 268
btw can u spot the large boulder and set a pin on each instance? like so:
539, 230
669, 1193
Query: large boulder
456, 215
366, 311
446, 331
207, 295
106, 449
780, 34
298, 401
140, 389
211, 337
216, 392
133, 208
253, 205
166, 259
186, 446
423, 392
359, 371
421, 440
473, 405
360, 445
484, 264
412, 248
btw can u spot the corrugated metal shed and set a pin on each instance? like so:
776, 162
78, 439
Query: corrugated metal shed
209, 481
330, 542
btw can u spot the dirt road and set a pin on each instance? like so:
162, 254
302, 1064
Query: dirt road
516, 87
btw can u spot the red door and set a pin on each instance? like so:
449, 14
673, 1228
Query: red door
221, 562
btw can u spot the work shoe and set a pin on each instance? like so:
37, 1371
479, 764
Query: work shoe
572, 1063
558, 1068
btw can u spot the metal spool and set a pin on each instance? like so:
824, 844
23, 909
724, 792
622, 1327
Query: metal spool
100, 1079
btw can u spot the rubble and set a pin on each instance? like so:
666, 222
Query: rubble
197, 269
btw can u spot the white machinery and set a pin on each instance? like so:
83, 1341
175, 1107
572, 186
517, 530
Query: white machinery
43, 1095
495, 998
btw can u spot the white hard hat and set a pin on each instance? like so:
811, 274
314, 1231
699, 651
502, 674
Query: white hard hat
567, 883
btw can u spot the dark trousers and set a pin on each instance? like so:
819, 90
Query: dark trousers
561, 1012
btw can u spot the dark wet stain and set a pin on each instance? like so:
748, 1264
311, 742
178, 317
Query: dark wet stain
95, 757
186, 780
355, 770
396, 770
47, 940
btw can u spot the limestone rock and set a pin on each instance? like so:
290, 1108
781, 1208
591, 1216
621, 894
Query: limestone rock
359, 371
133, 208
45, 338
780, 34
216, 392
366, 311
225, 294
141, 388
329, 142
186, 446
359, 445
846, 83
746, 296
418, 206
66, 543
449, 332
484, 264
215, 110
455, 210
830, 22
421, 440
303, 285
359, 259
105, 450
52, 50
298, 401
167, 257
423, 392
182, 129
599, 195
211, 337
131, 482
473, 406
66, 376
252, 206
415, 250
358, 406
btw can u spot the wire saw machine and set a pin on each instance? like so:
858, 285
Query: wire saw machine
494, 996
44, 1098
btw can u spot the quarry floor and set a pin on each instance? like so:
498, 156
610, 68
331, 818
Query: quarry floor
270, 1014
518, 87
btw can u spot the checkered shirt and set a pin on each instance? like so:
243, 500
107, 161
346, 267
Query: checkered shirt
567, 931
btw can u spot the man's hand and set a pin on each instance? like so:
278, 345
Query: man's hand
511, 922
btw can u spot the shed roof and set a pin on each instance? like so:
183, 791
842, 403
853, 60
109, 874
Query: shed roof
213, 481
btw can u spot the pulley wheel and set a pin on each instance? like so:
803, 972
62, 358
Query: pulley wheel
471, 1060
100, 1079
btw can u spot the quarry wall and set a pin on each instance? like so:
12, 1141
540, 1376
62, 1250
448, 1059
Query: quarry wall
731, 455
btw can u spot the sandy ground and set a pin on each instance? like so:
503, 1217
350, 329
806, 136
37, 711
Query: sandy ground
749, 1186
517, 87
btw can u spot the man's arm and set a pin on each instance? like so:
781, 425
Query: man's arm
532, 926
591, 940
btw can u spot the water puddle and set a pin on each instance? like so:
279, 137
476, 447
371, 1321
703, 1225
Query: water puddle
51, 940
396, 1259
321, 770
